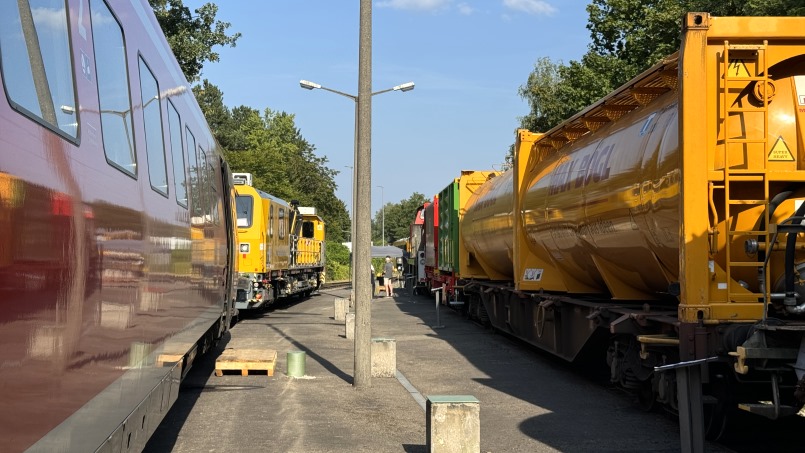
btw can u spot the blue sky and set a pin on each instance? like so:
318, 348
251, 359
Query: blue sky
466, 57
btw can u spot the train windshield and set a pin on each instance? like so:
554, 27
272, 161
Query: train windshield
245, 206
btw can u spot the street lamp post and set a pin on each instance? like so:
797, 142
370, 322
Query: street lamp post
308, 85
362, 180
352, 235
383, 217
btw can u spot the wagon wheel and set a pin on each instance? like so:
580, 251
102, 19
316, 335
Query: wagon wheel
539, 322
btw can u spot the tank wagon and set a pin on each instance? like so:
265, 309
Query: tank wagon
663, 224
117, 249
281, 247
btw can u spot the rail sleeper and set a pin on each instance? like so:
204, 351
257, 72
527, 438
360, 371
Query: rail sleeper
246, 360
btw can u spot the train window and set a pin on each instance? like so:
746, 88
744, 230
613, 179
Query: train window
195, 204
216, 217
271, 221
244, 204
204, 184
179, 170
213, 183
37, 64
281, 218
152, 122
113, 88
307, 229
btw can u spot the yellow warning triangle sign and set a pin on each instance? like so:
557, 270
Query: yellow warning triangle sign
780, 151
738, 68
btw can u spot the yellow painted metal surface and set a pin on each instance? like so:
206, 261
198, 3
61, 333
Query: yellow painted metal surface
472, 185
655, 190
487, 241
267, 236
310, 245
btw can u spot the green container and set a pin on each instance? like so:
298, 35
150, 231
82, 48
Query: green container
296, 363
448, 227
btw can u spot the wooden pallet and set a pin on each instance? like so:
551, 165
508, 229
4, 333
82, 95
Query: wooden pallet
246, 360
176, 353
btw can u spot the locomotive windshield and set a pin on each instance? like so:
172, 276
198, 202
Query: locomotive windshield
244, 205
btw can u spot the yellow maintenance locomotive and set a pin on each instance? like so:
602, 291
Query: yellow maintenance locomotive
663, 224
280, 247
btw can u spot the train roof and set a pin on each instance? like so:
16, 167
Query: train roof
260, 193
638, 92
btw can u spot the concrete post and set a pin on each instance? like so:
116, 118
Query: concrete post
350, 326
453, 424
384, 357
340, 308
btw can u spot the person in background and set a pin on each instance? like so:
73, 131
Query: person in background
374, 280
388, 272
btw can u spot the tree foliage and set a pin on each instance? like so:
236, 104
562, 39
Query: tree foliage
336, 256
268, 145
627, 37
397, 219
192, 37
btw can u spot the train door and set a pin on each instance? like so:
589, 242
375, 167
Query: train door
227, 193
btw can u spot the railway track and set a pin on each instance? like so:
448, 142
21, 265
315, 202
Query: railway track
337, 284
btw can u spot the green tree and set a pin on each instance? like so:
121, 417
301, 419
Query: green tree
337, 259
283, 163
397, 219
211, 100
192, 37
627, 37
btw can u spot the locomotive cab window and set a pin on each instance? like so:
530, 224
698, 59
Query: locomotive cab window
112, 76
307, 229
244, 205
36, 63
152, 122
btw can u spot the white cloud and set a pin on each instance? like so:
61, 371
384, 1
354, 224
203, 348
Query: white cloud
420, 5
52, 18
537, 7
465, 9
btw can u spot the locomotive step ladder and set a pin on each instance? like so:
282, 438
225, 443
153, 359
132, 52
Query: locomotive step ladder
737, 74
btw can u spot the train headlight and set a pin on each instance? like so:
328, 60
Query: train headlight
244, 247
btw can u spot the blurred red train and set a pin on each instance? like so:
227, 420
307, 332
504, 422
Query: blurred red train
116, 226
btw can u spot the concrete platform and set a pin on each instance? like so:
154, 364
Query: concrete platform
529, 402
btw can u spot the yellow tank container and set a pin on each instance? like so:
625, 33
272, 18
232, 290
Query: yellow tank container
673, 185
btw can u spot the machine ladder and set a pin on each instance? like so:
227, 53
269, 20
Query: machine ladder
745, 179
